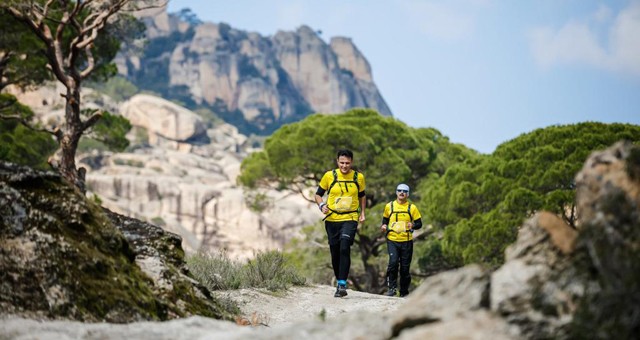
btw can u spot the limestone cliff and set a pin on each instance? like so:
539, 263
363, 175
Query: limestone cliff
182, 177
256, 83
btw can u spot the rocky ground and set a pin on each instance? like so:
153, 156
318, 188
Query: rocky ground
265, 316
305, 303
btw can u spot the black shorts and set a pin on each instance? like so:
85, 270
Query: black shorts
341, 230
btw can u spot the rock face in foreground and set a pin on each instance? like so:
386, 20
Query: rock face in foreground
556, 282
62, 256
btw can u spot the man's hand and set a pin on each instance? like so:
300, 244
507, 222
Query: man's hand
383, 228
323, 207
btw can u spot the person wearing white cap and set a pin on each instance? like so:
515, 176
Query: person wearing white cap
399, 219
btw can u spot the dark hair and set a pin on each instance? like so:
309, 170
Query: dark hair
345, 152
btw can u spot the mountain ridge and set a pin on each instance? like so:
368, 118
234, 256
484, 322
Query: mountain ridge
254, 82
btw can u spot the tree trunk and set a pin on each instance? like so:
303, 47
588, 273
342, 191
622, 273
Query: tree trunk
65, 160
372, 273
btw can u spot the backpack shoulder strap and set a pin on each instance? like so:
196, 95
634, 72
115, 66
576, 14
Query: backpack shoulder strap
335, 179
355, 179
409, 212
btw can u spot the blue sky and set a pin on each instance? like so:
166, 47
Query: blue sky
480, 71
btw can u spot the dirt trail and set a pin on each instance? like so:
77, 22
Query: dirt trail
305, 303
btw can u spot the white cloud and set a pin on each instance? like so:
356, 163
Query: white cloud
573, 43
438, 21
577, 42
625, 40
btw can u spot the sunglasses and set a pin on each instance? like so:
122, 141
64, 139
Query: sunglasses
405, 191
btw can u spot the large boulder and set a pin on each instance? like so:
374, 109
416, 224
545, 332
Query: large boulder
62, 256
564, 283
557, 282
162, 118
188, 186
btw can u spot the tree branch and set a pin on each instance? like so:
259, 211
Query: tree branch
26, 123
300, 191
136, 8
91, 121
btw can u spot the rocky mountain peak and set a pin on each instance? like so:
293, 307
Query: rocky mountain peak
254, 82
351, 59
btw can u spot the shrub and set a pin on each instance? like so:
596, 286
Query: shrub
267, 270
270, 270
215, 271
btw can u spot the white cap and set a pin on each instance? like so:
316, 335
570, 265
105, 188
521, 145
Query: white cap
402, 187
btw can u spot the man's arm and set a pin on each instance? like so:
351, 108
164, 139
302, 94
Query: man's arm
385, 224
320, 202
417, 223
363, 205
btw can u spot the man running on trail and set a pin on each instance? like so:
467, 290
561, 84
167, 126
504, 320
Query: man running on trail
399, 219
345, 188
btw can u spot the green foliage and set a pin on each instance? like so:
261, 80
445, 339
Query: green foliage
209, 117
447, 153
480, 203
323, 315
88, 144
270, 270
430, 258
19, 144
118, 88
257, 201
96, 199
111, 130
187, 15
385, 149
153, 74
215, 271
117, 34
31, 60
23, 62
79, 41
267, 270
310, 255
255, 170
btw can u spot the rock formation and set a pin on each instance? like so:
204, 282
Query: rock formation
557, 282
260, 83
183, 179
181, 175
62, 256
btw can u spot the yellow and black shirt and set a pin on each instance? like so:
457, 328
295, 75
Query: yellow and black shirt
344, 193
396, 216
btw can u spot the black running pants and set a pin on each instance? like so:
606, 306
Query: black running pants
400, 254
341, 236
